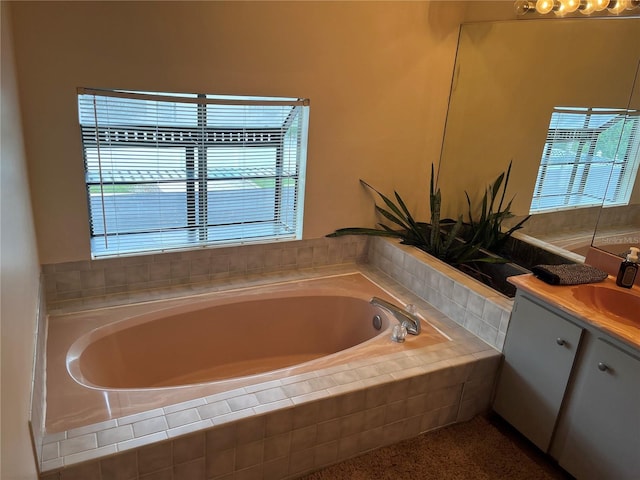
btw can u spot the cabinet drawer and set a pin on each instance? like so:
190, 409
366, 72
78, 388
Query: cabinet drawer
539, 351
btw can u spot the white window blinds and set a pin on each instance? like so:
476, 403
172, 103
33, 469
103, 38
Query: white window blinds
590, 158
170, 171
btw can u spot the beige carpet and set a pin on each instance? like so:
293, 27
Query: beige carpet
481, 449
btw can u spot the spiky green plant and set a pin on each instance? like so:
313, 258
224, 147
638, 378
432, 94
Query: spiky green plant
430, 237
486, 230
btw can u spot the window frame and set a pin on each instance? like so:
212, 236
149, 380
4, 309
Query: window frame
197, 140
626, 156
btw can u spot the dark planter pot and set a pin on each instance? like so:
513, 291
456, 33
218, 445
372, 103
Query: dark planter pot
521, 257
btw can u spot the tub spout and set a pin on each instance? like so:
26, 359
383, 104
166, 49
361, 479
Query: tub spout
410, 321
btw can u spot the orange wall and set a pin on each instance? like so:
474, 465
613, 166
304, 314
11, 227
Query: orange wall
377, 73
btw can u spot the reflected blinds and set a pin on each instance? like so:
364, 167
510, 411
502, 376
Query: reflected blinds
590, 157
168, 171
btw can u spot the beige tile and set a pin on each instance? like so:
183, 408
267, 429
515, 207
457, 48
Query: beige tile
252, 473
166, 474
297, 389
326, 454
352, 423
78, 444
306, 414
120, 467
149, 426
188, 448
194, 470
54, 464
250, 429
220, 462
154, 457
183, 417
273, 406
328, 431
279, 421
233, 416
249, 454
395, 411
348, 446
54, 437
213, 409
50, 451
270, 395
114, 435
373, 438
86, 471
93, 454
199, 426
277, 446
301, 462
221, 438
275, 469
303, 438
351, 402
141, 441
50, 476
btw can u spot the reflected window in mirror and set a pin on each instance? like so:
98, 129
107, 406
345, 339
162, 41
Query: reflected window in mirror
590, 158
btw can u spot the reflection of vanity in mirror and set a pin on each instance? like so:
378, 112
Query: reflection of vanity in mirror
509, 77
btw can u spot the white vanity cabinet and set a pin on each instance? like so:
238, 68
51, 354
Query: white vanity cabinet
539, 351
598, 435
573, 390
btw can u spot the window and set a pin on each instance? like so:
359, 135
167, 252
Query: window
168, 171
590, 158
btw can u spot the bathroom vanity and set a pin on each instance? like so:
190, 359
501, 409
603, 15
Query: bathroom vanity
570, 381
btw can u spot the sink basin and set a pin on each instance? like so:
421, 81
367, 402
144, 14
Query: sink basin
624, 304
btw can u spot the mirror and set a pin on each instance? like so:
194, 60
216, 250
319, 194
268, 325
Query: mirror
619, 227
508, 78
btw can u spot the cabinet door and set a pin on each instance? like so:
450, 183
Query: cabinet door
599, 437
539, 351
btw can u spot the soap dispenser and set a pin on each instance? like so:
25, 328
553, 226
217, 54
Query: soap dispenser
628, 269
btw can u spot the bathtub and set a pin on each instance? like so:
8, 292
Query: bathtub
212, 341
119, 361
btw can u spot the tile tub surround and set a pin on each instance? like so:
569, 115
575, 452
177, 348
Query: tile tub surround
120, 279
469, 303
287, 427
174, 341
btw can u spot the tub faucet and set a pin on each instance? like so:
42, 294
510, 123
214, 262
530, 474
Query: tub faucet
409, 320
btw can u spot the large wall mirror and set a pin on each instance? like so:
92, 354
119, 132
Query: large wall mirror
512, 82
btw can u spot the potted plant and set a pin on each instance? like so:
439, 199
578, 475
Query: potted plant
462, 245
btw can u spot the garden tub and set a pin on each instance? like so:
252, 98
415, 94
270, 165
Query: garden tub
119, 361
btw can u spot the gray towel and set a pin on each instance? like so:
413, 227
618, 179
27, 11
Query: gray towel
568, 274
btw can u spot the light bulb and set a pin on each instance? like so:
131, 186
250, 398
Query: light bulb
601, 4
568, 6
545, 6
618, 6
524, 6
588, 7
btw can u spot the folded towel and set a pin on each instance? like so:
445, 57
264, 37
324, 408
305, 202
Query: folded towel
568, 274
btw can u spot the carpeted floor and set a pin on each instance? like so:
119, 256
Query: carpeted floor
485, 448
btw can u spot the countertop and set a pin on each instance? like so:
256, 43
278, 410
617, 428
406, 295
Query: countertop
564, 298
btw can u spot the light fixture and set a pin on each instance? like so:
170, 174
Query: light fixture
570, 7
